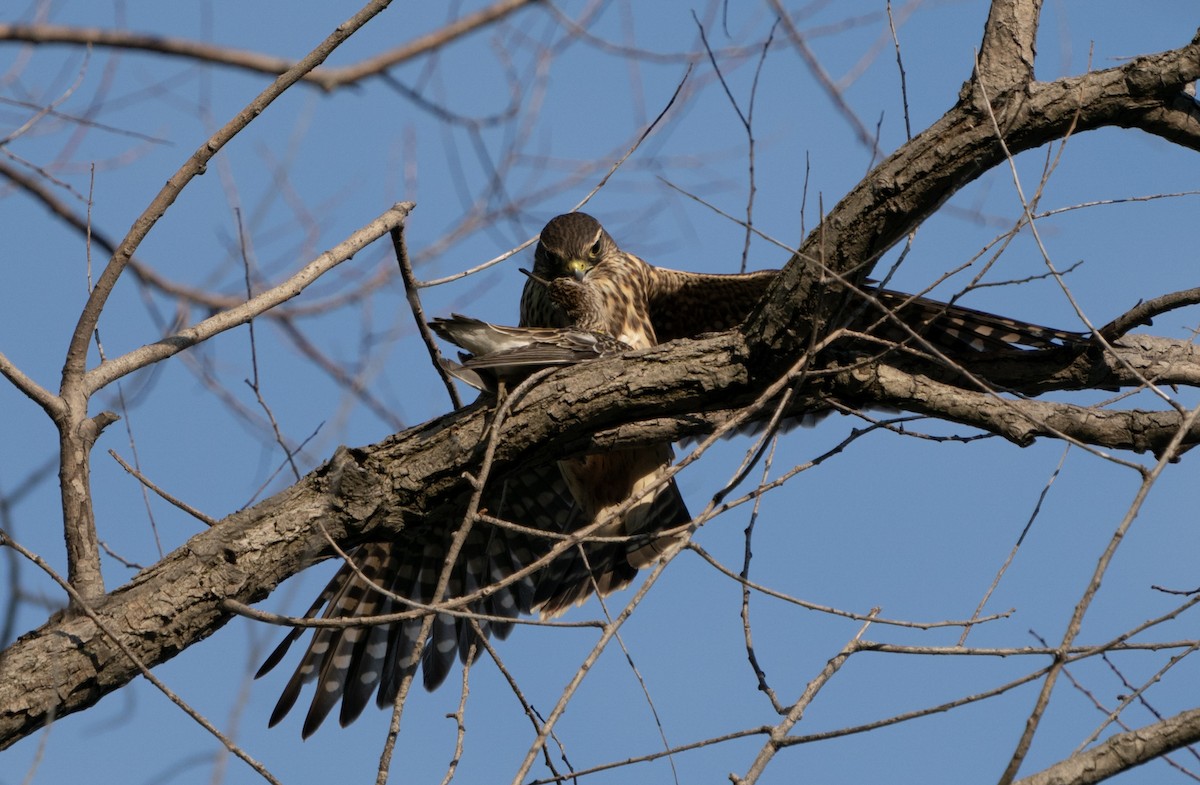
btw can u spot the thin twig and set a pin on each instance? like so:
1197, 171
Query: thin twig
326, 78
194, 166
812, 606
450, 561
255, 382
207, 520
780, 732
103, 374
418, 312
1149, 479
534, 717
760, 675
1012, 554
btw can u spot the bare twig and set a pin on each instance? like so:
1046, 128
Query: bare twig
50, 402
77, 352
1144, 312
414, 304
254, 382
827, 83
106, 372
1149, 478
208, 520
326, 78
780, 732
1012, 554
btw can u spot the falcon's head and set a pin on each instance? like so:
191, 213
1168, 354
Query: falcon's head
571, 246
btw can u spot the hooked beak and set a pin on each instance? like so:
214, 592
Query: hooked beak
577, 268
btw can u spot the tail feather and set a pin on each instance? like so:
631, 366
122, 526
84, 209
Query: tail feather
956, 329
351, 663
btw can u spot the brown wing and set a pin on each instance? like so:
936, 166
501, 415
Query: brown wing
684, 305
955, 329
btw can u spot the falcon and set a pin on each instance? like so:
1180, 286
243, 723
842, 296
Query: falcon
585, 299
645, 305
621, 496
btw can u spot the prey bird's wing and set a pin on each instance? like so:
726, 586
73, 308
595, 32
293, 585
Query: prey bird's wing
509, 354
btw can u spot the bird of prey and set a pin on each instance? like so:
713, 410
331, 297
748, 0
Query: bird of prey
645, 304
585, 299
620, 541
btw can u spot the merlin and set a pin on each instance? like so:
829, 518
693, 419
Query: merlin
646, 305
585, 299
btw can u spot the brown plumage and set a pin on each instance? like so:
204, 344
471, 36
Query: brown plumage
574, 247
663, 304
586, 299
591, 310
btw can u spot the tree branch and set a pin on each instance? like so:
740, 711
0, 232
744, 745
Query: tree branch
1019, 421
114, 369
37, 393
1009, 37
408, 485
195, 165
1144, 312
327, 79
897, 196
1122, 752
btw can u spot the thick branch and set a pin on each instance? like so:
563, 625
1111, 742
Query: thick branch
1007, 51
1019, 421
415, 478
1122, 752
412, 479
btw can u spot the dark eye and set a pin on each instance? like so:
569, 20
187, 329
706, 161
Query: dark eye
594, 251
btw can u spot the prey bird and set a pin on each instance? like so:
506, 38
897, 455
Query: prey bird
496, 353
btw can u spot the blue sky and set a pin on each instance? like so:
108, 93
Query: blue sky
915, 527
